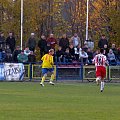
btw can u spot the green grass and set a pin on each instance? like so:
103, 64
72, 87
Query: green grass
78, 101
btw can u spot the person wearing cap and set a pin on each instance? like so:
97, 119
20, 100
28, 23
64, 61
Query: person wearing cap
32, 42
48, 66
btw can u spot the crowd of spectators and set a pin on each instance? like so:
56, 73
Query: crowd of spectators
68, 50
9, 52
85, 54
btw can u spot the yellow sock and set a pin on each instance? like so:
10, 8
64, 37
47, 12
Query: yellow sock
43, 79
52, 77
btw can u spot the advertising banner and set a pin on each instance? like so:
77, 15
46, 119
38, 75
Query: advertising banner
12, 71
2, 76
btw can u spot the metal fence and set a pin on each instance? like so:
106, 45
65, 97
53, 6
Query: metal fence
27, 71
89, 73
69, 72
114, 72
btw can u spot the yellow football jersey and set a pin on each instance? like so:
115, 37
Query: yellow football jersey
47, 61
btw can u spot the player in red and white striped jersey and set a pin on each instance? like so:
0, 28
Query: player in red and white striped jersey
100, 61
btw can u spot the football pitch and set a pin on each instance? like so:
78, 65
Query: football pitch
64, 101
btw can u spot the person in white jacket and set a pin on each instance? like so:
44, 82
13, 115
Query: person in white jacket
83, 56
77, 52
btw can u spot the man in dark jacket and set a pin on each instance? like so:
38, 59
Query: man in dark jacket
8, 54
90, 56
10, 41
15, 54
59, 55
31, 57
103, 41
67, 56
42, 44
64, 42
114, 49
32, 42
106, 50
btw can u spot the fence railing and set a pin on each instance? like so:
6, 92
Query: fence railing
71, 72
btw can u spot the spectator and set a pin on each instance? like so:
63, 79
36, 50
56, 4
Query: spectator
15, 54
95, 53
42, 44
52, 41
2, 40
75, 40
48, 47
27, 51
106, 50
8, 50
64, 42
118, 56
85, 47
67, 56
83, 57
2, 55
11, 41
90, 43
111, 57
72, 51
8, 54
90, 56
103, 41
77, 52
59, 55
114, 49
22, 58
32, 42
31, 57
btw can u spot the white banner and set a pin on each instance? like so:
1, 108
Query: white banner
13, 71
2, 76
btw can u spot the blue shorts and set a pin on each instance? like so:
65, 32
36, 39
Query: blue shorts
46, 70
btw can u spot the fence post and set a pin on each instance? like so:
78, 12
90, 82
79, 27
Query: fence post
31, 71
56, 72
108, 73
81, 72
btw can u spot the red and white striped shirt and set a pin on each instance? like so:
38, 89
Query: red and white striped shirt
100, 60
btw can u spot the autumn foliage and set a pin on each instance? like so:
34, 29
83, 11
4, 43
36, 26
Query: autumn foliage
62, 16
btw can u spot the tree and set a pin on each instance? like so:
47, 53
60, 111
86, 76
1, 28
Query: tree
62, 16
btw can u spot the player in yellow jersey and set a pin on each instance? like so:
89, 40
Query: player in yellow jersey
47, 66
